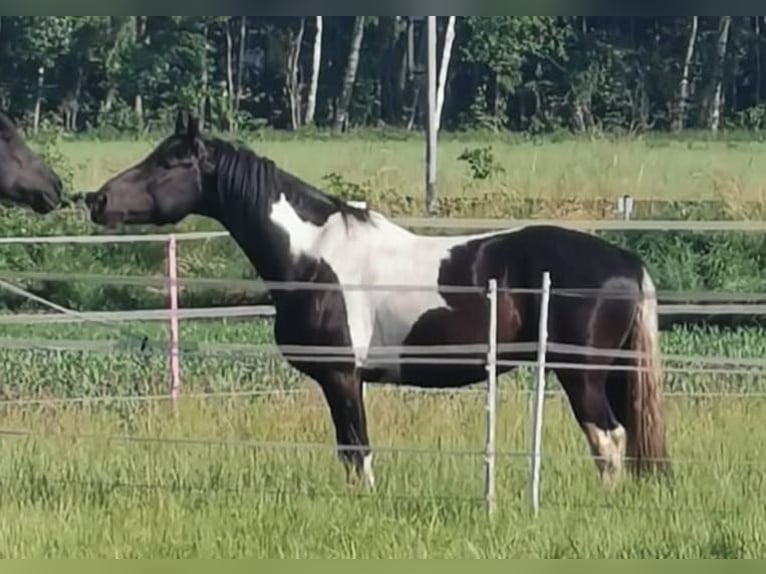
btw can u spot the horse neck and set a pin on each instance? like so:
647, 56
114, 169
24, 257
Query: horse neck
247, 220
258, 213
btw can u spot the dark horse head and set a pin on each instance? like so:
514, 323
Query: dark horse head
163, 188
25, 179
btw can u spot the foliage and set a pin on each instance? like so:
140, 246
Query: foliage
50, 152
481, 161
336, 184
531, 73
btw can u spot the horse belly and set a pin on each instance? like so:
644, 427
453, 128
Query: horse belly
393, 318
440, 326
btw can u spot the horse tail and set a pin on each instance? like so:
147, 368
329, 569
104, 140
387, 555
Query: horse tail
646, 449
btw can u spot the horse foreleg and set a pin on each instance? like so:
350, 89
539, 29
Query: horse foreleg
343, 392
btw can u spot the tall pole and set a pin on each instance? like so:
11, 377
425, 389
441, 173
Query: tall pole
175, 367
431, 141
491, 407
537, 420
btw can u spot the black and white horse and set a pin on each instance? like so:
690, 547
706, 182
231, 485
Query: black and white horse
293, 232
25, 179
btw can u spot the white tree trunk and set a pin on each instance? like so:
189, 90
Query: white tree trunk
202, 111
240, 62
341, 115
683, 99
449, 37
757, 59
140, 36
723, 41
293, 84
311, 102
39, 99
229, 96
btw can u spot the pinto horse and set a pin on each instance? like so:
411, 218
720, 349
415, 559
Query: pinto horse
25, 179
293, 232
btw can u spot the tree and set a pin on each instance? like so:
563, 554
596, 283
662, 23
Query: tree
240, 62
449, 37
311, 100
683, 98
499, 48
532, 74
341, 114
39, 44
293, 68
723, 42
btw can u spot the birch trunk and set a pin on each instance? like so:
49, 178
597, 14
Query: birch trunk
449, 37
205, 80
723, 41
39, 98
410, 48
684, 91
757, 60
293, 87
138, 104
315, 65
341, 115
229, 96
240, 62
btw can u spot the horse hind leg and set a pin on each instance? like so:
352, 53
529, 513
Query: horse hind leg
606, 437
617, 395
603, 412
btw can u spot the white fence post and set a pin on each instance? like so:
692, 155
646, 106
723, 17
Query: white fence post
175, 367
537, 420
491, 406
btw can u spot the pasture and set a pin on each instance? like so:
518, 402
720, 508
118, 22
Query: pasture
257, 475
563, 171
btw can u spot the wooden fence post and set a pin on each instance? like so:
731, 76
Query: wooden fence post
175, 367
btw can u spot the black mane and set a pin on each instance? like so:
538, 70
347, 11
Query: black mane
253, 178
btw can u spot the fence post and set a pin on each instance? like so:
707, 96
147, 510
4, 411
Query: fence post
175, 368
537, 420
491, 406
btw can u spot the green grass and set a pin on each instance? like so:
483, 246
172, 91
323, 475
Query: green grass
563, 170
202, 492
213, 496
564, 178
90, 497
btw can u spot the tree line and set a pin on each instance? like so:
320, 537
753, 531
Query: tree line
529, 74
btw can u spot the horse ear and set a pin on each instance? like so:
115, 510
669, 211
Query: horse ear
180, 127
192, 130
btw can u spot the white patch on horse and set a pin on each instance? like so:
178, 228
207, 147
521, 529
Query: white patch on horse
368, 474
375, 253
608, 449
649, 309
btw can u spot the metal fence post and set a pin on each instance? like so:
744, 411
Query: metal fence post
491, 406
175, 367
537, 420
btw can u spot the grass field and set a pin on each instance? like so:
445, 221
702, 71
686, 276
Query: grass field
651, 168
95, 497
205, 489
